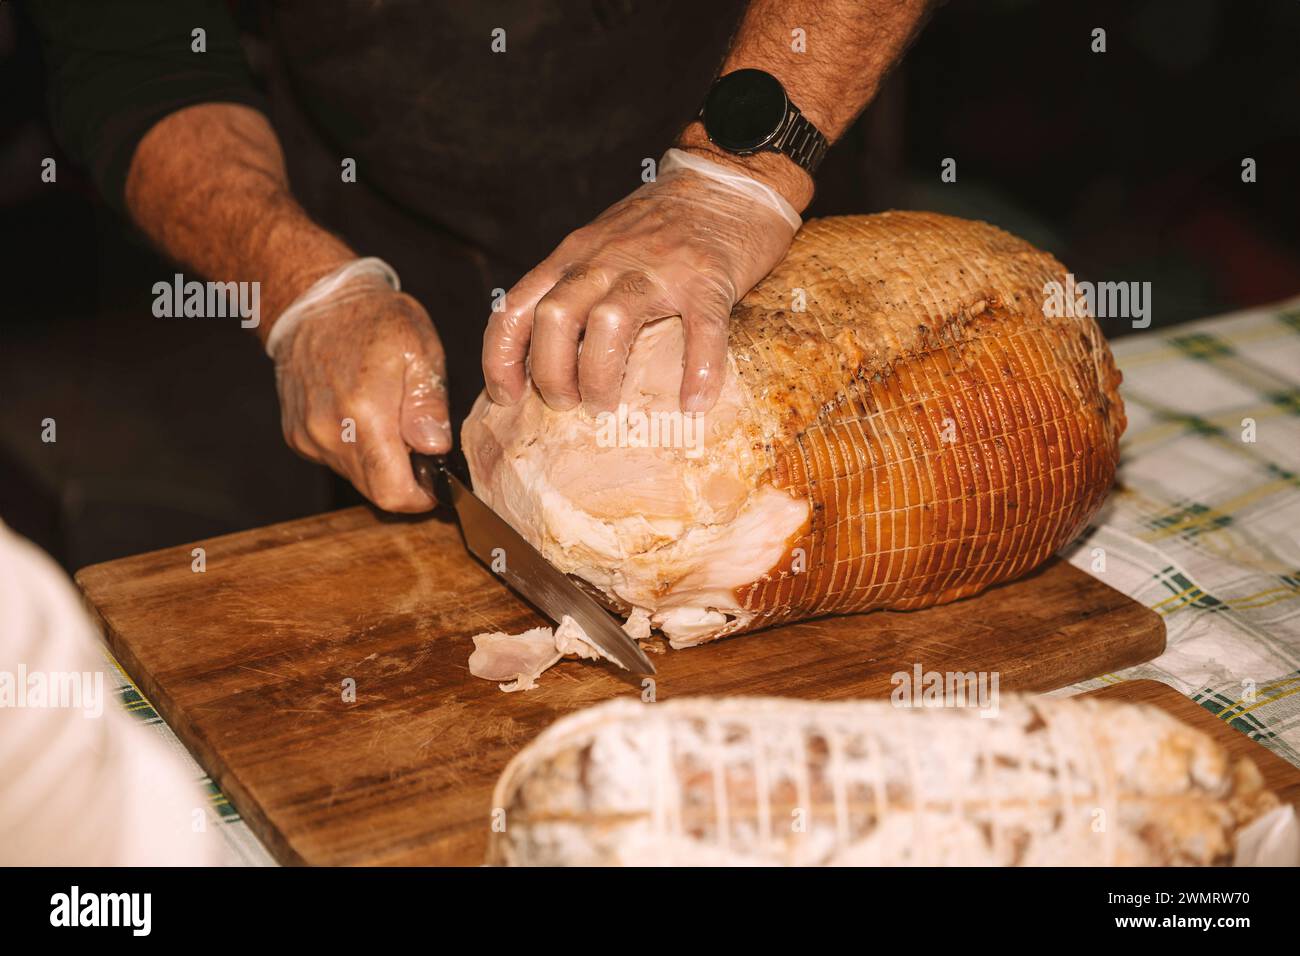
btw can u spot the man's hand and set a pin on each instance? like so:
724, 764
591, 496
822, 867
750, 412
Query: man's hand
208, 185
686, 245
361, 384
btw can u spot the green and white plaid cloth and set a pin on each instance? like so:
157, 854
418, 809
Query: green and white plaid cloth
1204, 527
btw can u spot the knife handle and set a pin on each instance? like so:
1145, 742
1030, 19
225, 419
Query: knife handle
430, 475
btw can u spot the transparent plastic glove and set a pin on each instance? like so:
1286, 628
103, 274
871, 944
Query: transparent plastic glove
361, 383
690, 244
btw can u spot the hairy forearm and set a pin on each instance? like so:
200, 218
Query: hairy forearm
208, 186
848, 47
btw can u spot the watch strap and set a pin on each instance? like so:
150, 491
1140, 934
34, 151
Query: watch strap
801, 141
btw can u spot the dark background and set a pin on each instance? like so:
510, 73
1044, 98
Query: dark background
1126, 165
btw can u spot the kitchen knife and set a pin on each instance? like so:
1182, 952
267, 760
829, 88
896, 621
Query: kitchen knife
496, 544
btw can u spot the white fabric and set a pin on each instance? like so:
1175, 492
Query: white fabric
81, 785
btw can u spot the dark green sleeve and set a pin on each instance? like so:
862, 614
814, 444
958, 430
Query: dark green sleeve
116, 68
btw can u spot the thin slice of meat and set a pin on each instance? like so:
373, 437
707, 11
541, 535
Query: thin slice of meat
517, 660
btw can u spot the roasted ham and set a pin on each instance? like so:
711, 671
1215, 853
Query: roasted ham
904, 422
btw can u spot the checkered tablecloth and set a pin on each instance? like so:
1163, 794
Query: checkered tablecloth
1204, 527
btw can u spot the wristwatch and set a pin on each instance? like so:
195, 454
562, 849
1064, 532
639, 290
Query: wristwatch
747, 111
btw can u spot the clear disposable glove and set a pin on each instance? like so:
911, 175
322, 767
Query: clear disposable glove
690, 243
361, 383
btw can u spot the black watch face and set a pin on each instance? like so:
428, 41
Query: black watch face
744, 110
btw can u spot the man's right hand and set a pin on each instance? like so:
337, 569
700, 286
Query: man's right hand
361, 378
361, 384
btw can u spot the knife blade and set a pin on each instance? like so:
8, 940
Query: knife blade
490, 539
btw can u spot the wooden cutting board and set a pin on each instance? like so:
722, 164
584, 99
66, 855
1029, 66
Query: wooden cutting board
250, 662
1279, 775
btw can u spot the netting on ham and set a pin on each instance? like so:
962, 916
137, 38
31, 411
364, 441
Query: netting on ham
748, 781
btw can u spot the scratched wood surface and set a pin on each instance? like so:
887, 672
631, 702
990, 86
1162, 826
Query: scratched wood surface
248, 663
1279, 775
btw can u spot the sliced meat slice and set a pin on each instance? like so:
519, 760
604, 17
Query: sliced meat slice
517, 660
